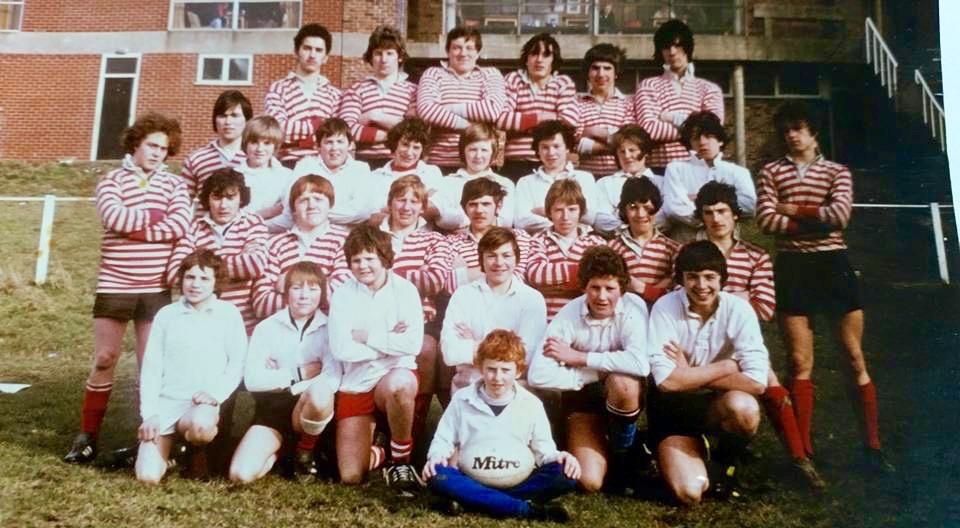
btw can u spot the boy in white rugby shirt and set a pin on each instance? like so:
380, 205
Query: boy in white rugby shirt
192, 364
709, 365
376, 332
292, 377
593, 352
496, 408
497, 300
268, 179
350, 178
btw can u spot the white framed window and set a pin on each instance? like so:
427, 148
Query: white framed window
225, 69
235, 15
11, 15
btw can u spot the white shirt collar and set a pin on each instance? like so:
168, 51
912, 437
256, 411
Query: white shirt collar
567, 172
687, 75
129, 165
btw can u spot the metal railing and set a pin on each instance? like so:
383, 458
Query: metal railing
878, 53
932, 111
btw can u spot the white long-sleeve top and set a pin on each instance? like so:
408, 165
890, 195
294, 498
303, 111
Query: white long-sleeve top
432, 179
355, 307
269, 185
521, 309
532, 191
453, 190
685, 177
732, 332
278, 338
610, 188
615, 344
469, 418
351, 182
192, 350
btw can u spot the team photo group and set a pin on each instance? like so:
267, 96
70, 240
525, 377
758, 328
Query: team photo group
557, 269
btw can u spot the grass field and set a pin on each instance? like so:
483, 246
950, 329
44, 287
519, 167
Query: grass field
45, 340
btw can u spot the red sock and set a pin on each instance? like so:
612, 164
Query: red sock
95, 398
779, 409
307, 442
802, 392
868, 398
400, 451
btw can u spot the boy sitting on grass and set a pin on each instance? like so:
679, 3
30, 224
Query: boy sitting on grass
500, 408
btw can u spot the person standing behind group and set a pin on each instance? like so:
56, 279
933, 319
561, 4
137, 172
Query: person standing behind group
144, 210
269, 181
661, 104
603, 109
535, 93
304, 99
231, 112
704, 135
378, 103
457, 93
193, 363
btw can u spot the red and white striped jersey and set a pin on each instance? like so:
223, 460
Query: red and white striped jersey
396, 99
201, 163
652, 262
142, 219
523, 100
300, 115
552, 267
242, 244
423, 257
465, 244
481, 90
616, 111
659, 94
824, 194
285, 250
749, 269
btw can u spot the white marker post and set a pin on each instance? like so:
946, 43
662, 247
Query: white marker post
46, 232
938, 242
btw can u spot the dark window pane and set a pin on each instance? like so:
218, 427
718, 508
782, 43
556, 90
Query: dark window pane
205, 15
759, 81
124, 65
239, 70
114, 116
212, 69
10, 16
799, 79
266, 15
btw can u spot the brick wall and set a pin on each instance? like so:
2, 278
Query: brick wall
364, 15
425, 20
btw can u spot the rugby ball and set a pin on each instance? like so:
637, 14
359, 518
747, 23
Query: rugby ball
497, 462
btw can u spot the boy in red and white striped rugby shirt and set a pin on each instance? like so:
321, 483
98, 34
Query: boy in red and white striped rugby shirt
649, 254
806, 202
230, 115
535, 93
750, 276
378, 103
144, 210
238, 237
303, 99
603, 109
481, 200
456, 93
555, 252
312, 239
661, 104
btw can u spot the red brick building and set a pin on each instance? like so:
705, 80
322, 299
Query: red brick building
74, 73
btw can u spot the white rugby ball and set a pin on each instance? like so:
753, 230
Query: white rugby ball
499, 463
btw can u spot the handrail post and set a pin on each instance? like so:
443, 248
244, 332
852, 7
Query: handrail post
938, 242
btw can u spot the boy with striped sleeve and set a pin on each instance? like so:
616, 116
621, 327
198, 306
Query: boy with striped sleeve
144, 210
662, 103
304, 99
535, 93
806, 201
378, 103
750, 276
238, 237
603, 109
456, 93
230, 115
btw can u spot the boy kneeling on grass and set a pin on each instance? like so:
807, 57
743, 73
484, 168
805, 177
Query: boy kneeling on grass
192, 364
499, 411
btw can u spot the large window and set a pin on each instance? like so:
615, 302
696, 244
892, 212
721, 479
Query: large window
240, 14
225, 69
11, 15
